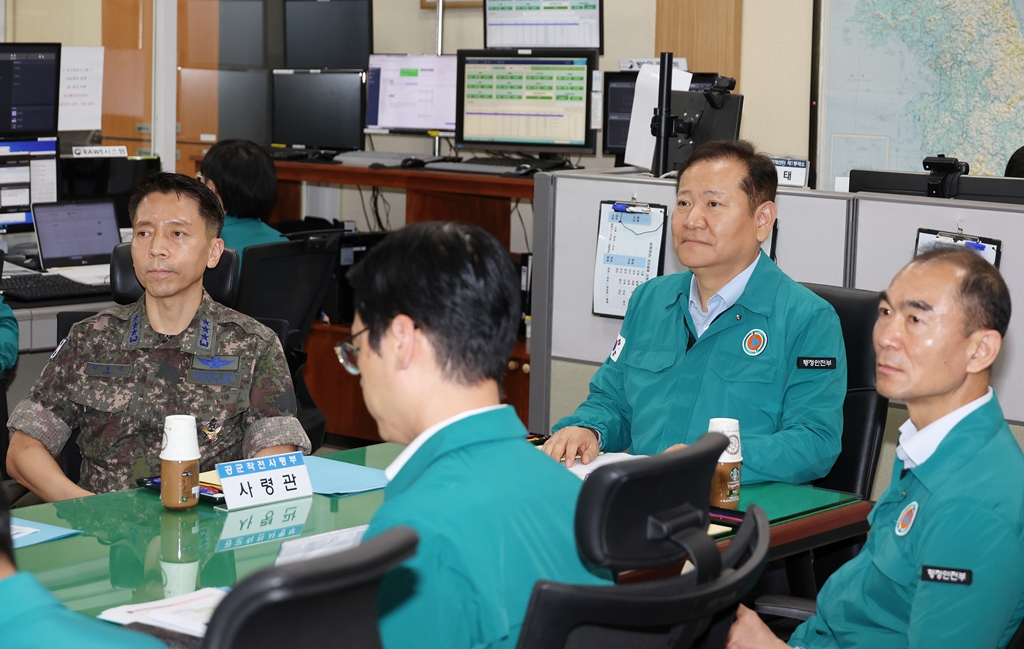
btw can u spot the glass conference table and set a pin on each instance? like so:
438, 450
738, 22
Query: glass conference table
129, 540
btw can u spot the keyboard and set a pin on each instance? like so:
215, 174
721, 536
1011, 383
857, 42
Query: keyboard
499, 166
384, 158
35, 288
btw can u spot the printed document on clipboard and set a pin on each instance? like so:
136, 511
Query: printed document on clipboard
990, 249
630, 251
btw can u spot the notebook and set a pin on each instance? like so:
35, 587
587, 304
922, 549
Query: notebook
76, 238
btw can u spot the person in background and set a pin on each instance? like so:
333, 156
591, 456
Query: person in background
1015, 165
437, 311
242, 176
944, 563
32, 618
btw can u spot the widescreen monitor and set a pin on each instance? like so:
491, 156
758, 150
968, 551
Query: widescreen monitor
544, 24
526, 101
991, 189
618, 104
328, 34
901, 183
706, 122
319, 109
29, 89
28, 174
409, 93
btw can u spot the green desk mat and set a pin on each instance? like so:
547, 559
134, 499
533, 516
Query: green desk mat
782, 502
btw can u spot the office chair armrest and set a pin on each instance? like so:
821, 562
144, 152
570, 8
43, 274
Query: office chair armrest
794, 608
12, 490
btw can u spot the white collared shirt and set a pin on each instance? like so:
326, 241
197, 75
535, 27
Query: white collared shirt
720, 301
916, 446
422, 438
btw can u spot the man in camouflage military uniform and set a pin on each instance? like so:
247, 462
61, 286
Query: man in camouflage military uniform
175, 351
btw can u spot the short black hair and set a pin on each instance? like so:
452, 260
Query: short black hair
456, 283
244, 176
1015, 165
983, 295
6, 544
761, 180
163, 182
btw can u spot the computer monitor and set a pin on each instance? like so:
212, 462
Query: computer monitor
544, 24
113, 179
29, 89
991, 189
409, 93
319, 109
28, 174
902, 183
334, 34
618, 104
705, 122
524, 100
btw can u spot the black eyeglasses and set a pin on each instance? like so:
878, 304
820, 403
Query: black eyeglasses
348, 354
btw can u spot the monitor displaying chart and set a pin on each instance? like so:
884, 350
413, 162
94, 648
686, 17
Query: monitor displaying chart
543, 23
525, 102
411, 93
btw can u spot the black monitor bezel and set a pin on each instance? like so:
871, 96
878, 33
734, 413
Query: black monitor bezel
589, 145
35, 47
980, 188
896, 183
284, 26
609, 77
273, 106
600, 37
84, 260
372, 130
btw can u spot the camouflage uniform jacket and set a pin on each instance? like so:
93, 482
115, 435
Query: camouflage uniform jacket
116, 379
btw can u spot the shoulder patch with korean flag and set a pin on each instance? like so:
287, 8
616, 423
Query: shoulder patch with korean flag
620, 342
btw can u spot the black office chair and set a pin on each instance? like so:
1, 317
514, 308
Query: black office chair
221, 282
642, 514
330, 601
864, 410
288, 280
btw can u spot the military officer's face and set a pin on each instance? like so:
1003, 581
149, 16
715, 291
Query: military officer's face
712, 225
921, 348
171, 246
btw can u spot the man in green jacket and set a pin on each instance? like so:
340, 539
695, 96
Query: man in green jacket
437, 310
944, 563
731, 337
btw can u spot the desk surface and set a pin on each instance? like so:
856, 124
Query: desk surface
127, 534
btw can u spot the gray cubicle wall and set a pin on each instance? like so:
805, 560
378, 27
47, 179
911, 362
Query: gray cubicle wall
885, 241
811, 247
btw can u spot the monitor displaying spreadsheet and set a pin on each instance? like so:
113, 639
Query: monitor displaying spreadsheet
527, 101
543, 24
409, 93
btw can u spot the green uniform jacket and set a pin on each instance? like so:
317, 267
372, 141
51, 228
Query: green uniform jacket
31, 618
967, 525
748, 366
8, 337
239, 233
494, 515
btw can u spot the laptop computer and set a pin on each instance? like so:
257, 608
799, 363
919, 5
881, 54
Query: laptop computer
76, 238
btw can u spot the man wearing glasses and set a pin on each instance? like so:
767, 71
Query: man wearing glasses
437, 309
175, 351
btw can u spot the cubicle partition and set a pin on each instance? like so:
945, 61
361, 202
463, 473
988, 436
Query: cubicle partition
811, 247
885, 240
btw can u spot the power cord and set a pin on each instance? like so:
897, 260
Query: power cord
526, 236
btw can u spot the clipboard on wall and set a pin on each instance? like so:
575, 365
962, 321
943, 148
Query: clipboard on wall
989, 249
630, 251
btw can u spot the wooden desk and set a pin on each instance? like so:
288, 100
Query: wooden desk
479, 199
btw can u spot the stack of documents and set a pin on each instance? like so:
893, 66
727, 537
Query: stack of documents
582, 470
189, 613
330, 477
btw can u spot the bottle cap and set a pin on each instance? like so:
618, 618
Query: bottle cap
180, 443
731, 429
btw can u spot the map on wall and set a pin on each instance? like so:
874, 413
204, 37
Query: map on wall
905, 79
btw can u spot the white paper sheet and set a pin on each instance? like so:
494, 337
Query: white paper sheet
81, 89
319, 545
639, 142
189, 613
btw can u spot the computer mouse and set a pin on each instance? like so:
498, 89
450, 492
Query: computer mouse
414, 162
525, 169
